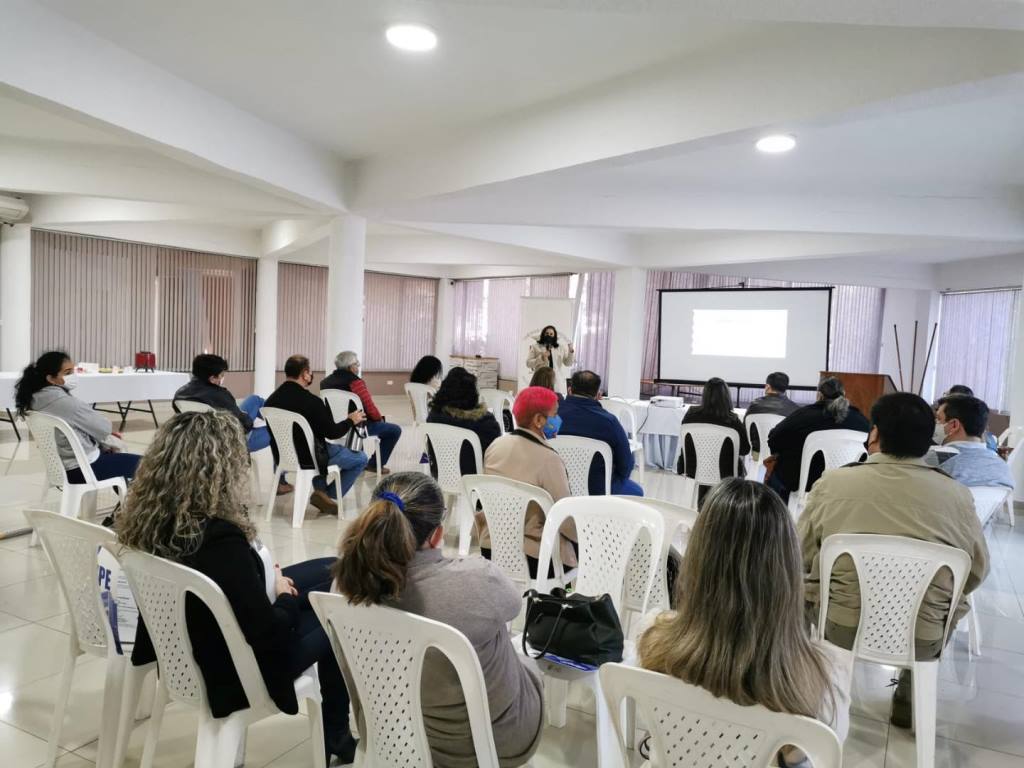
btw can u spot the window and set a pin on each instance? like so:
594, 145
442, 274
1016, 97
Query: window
399, 321
976, 343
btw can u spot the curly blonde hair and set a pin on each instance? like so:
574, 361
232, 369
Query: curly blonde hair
194, 470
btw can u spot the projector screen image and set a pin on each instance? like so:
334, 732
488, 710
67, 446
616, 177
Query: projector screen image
743, 335
723, 332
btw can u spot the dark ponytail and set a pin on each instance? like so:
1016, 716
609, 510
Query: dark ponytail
834, 395
33, 378
378, 546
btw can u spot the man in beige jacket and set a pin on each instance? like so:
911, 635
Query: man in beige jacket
525, 455
893, 493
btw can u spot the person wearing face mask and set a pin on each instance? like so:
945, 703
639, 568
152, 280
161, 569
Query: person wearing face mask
346, 377
893, 493
294, 395
960, 424
546, 351
44, 386
524, 455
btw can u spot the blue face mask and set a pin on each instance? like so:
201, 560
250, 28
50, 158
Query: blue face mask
554, 423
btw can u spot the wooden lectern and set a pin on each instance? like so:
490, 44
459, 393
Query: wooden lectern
862, 389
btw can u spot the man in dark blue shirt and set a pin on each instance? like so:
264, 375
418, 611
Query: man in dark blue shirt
583, 416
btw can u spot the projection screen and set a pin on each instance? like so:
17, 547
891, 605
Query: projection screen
743, 335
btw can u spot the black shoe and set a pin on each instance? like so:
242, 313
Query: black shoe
342, 746
902, 703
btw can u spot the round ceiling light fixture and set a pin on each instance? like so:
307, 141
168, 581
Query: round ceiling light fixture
775, 144
411, 37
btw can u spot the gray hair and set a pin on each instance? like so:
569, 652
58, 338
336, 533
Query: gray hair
834, 395
346, 359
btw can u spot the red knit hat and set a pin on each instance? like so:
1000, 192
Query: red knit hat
531, 401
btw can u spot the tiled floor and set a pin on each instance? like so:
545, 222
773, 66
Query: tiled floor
981, 701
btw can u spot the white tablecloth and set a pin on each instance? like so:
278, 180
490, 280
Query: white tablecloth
658, 423
108, 387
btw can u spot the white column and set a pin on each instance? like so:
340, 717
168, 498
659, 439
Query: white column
346, 260
15, 296
266, 327
626, 351
444, 328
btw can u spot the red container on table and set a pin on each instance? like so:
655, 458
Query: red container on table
145, 361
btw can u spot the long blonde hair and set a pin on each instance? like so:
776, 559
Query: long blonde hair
194, 470
739, 630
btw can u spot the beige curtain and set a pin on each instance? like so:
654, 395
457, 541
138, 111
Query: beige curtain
398, 322
301, 312
103, 300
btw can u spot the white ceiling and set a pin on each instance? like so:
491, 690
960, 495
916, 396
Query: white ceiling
598, 133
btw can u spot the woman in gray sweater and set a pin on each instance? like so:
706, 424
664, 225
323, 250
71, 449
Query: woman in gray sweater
391, 555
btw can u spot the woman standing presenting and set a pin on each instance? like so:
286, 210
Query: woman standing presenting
546, 351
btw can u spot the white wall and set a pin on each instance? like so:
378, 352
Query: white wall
902, 308
972, 274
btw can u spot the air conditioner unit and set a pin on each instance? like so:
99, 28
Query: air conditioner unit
12, 209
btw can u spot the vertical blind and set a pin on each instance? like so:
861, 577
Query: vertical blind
103, 300
976, 342
301, 312
399, 317
399, 321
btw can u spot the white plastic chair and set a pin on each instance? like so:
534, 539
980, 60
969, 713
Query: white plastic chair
280, 422
578, 454
420, 395
381, 653
623, 411
607, 529
504, 503
338, 401
44, 429
837, 446
764, 423
497, 402
690, 726
679, 521
192, 406
1015, 461
446, 442
160, 588
72, 546
893, 575
987, 501
708, 440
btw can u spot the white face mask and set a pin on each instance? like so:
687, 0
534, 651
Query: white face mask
939, 435
70, 384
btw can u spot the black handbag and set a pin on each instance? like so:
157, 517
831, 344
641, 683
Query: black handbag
576, 627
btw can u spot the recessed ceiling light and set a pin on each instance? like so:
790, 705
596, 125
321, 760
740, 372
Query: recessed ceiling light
775, 144
411, 37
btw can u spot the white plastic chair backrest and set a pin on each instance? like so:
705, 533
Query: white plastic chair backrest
446, 442
186, 406
1010, 436
765, 423
837, 446
420, 396
504, 504
497, 402
338, 401
677, 519
44, 429
1015, 461
622, 411
988, 499
708, 440
578, 454
690, 726
72, 546
607, 529
381, 652
160, 587
281, 424
893, 574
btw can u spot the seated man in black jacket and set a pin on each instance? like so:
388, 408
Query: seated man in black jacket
294, 395
774, 402
207, 387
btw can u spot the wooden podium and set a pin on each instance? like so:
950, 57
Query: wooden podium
862, 389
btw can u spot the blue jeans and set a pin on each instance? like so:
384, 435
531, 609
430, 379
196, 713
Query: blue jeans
258, 437
388, 435
108, 465
352, 463
626, 487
